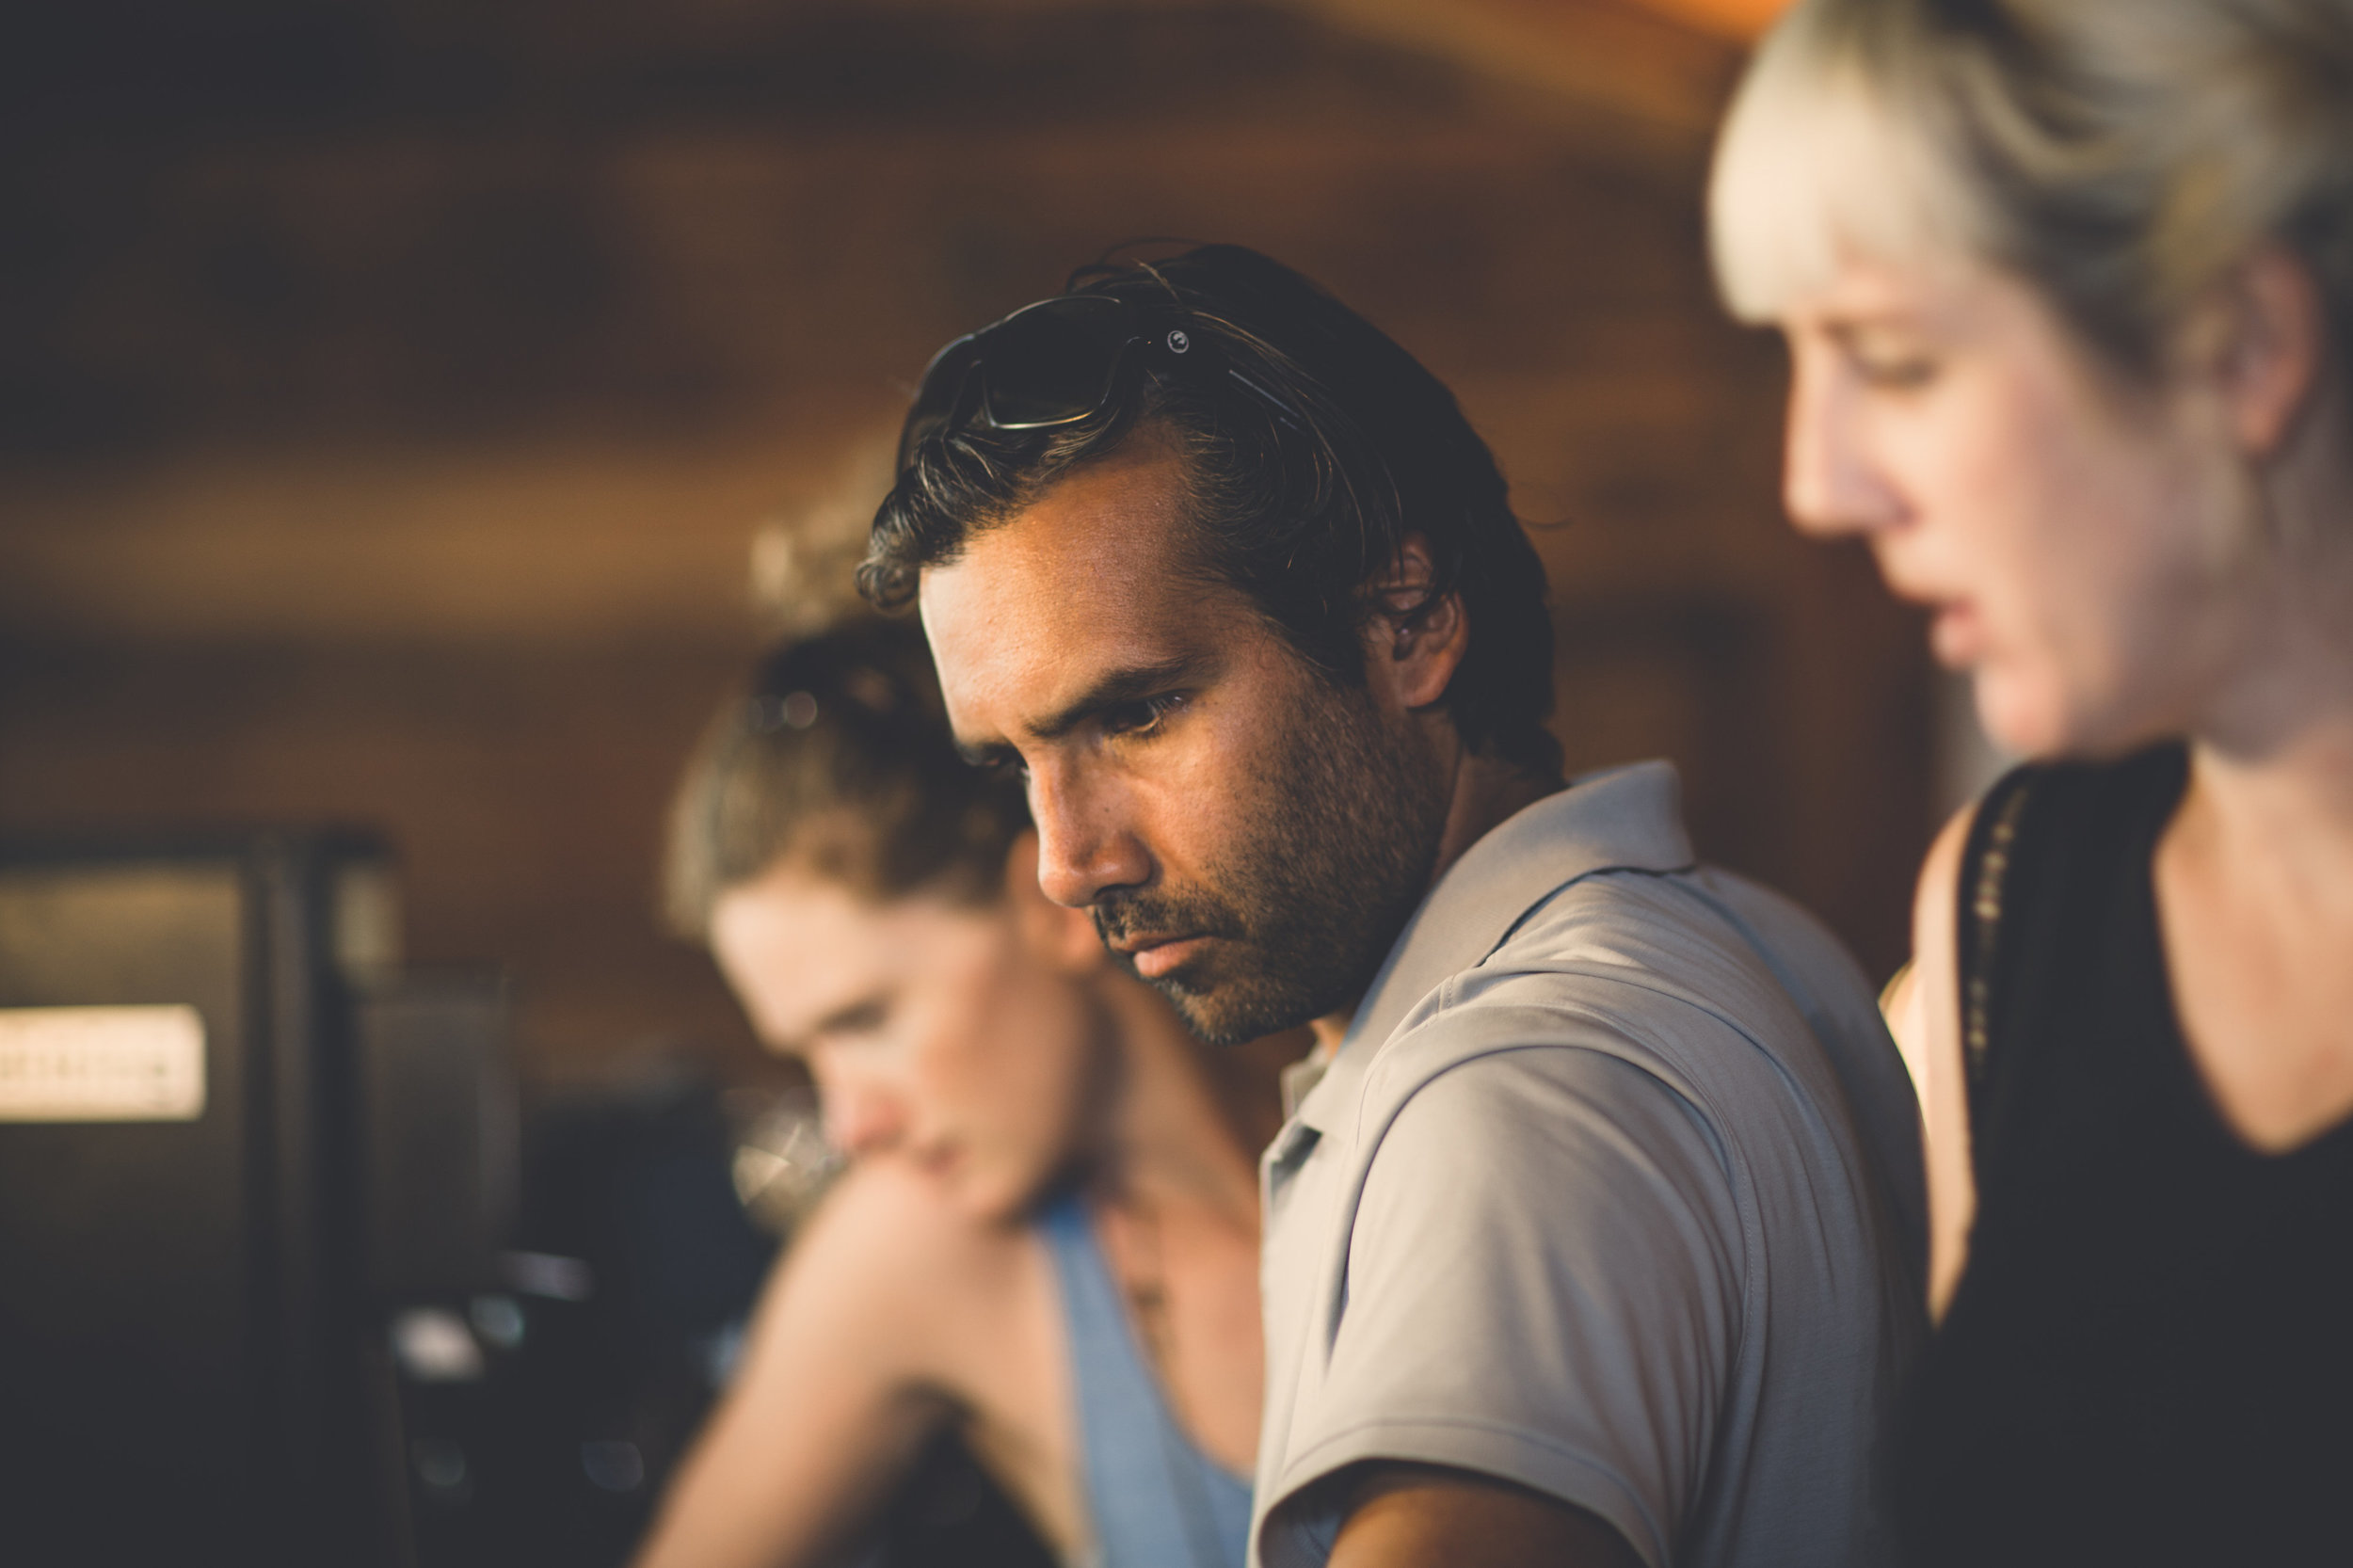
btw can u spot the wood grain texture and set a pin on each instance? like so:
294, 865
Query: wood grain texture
385, 430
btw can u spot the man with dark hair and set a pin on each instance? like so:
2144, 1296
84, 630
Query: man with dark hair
1594, 1234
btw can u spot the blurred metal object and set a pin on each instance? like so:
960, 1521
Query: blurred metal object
436, 1099
782, 1164
541, 1273
540, 1417
432, 1344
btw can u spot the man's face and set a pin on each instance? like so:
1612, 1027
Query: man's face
1249, 837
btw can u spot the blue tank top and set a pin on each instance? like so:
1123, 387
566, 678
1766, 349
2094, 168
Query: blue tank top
1157, 1500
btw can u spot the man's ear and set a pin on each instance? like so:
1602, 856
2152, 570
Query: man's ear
1413, 642
1062, 937
2270, 339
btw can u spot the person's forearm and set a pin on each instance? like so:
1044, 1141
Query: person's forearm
763, 1490
711, 1518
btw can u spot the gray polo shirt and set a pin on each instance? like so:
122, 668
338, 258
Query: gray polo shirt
1613, 1191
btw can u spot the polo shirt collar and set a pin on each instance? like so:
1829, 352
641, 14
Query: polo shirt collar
1623, 818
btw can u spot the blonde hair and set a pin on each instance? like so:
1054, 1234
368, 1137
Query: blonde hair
2119, 154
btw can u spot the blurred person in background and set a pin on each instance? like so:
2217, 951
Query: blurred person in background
1595, 1236
2068, 286
1047, 1236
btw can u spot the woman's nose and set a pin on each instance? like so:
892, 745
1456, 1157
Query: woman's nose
862, 1115
1830, 484
1085, 844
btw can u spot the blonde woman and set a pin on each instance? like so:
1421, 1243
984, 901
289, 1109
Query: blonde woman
2068, 287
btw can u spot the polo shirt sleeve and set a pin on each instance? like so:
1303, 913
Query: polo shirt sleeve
1543, 1284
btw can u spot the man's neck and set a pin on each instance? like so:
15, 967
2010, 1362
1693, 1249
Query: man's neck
1487, 793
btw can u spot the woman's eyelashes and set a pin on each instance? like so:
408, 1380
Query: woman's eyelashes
1886, 363
861, 1021
1897, 375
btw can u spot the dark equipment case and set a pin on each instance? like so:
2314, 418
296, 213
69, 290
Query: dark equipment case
192, 1361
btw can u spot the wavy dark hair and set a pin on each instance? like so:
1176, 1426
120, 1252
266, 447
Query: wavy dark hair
1306, 469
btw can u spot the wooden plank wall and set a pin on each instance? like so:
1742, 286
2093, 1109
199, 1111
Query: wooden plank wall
393, 395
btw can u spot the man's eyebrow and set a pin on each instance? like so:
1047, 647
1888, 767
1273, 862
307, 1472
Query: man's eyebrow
1131, 684
1115, 687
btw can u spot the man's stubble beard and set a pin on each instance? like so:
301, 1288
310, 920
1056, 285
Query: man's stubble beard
1307, 903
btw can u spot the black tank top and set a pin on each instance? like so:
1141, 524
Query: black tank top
2150, 1358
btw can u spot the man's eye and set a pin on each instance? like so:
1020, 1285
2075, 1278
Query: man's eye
1141, 717
998, 762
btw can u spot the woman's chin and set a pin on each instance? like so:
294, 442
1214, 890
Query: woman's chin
2022, 716
2040, 718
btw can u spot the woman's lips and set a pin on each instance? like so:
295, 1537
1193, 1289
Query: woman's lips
1956, 633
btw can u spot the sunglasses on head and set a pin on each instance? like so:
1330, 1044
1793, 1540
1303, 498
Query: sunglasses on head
1059, 362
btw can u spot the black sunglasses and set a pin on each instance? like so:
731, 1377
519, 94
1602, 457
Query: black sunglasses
1059, 362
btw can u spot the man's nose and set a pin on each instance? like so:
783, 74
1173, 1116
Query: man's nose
1085, 844
1828, 482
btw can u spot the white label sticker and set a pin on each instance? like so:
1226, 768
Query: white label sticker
101, 1064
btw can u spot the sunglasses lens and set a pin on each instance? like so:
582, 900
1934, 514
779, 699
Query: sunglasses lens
1050, 363
1053, 363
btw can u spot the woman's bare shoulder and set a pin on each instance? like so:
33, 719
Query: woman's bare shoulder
888, 1243
856, 1353
1939, 873
1935, 903
1926, 1021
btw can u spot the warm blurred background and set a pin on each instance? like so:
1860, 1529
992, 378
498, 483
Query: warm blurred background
391, 396
407, 412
